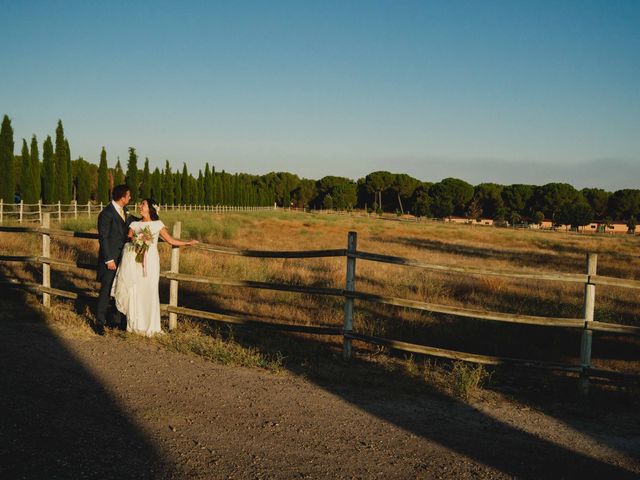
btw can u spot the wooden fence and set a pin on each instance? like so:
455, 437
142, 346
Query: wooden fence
586, 324
26, 212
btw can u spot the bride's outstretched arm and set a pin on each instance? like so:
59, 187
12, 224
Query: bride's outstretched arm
164, 233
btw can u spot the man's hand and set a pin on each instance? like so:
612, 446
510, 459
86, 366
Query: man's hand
111, 265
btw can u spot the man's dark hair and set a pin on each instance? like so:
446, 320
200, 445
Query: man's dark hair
119, 191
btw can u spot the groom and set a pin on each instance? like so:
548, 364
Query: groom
113, 225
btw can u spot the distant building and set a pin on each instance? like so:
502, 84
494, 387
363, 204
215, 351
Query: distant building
547, 224
602, 227
469, 221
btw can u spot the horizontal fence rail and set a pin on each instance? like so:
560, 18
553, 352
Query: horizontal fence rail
586, 324
33, 211
272, 254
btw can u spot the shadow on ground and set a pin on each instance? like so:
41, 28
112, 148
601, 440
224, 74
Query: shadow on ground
457, 425
58, 421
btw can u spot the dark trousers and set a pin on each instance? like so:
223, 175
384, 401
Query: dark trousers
106, 314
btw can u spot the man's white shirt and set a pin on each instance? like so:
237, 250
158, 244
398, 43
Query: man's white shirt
120, 211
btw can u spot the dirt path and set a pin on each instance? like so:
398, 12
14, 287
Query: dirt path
92, 407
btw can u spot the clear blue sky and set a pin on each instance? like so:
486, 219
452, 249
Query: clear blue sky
507, 91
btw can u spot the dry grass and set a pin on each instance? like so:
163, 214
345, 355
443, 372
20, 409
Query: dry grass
485, 247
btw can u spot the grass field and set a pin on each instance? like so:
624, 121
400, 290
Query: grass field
446, 244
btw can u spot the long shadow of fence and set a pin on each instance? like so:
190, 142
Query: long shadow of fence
441, 418
57, 420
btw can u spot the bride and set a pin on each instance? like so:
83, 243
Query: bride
135, 287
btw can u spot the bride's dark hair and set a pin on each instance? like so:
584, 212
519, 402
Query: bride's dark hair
153, 212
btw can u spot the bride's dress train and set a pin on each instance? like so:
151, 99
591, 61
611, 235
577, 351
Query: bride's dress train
135, 293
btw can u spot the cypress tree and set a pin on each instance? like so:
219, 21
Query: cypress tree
118, 174
187, 195
217, 189
69, 176
145, 187
132, 174
27, 193
213, 185
208, 186
84, 182
156, 185
193, 190
34, 159
200, 199
238, 189
224, 188
7, 165
62, 172
177, 188
186, 185
167, 185
103, 179
49, 193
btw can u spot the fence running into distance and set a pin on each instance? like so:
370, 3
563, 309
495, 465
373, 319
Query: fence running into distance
33, 212
586, 324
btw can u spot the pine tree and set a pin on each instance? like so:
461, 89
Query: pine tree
7, 165
177, 188
118, 174
103, 179
132, 175
156, 185
62, 172
69, 176
145, 186
167, 185
26, 179
49, 190
84, 183
286, 199
185, 184
34, 160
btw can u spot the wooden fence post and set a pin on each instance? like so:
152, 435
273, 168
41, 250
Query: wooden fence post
587, 333
40, 211
352, 243
21, 210
173, 284
59, 212
89, 208
1, 210
46, 253
75, 209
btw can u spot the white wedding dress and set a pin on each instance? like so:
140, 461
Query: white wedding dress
135, 293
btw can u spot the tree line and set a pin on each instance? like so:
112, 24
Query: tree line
56, 177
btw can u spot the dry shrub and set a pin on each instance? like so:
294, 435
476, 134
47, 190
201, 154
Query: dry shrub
466, 379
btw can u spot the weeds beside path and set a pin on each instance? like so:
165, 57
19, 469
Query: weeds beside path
196, 419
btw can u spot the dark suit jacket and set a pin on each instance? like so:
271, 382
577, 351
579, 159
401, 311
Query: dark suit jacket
112, 233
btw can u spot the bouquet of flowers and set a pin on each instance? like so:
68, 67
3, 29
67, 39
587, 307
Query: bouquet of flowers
141, 243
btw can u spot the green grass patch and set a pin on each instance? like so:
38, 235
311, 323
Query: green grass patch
190, 339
